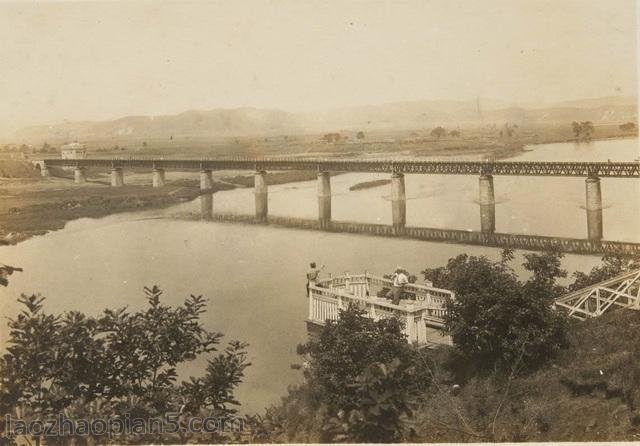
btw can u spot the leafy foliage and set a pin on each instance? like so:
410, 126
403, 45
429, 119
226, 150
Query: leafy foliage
361, 380
496, 320
628, 127
438, 132
345, 350
584, 129
121, 362
612, 265
384, 407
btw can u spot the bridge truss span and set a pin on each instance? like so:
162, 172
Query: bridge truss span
521, 168
485, 170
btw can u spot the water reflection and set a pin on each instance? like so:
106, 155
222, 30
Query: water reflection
206, 206
488, 217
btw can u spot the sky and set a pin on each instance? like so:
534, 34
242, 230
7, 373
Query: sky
102, 60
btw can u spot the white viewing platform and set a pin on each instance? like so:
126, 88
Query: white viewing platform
423, 313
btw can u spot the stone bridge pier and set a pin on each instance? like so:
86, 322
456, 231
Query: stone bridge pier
261, 196
398, 203
594, 208
79, 176
158, 177
487, 204
324, 200
117, 177
206, 179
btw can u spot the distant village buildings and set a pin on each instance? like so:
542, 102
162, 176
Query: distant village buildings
74, 150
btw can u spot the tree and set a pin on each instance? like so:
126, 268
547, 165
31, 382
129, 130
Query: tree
583, 130
384, 407
438, 132
362, 378
121, 362
346, 348
497, 321
628, 127
612, 265
454, 133
587, 129
545, 269
577, 128
331, 137
360, 135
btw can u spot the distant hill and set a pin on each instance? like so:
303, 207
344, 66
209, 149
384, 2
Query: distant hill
193, 123
429, 113
398, 115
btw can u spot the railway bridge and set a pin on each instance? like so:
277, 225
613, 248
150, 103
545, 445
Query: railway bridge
485, 170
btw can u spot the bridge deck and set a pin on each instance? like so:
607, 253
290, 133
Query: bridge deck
526, 168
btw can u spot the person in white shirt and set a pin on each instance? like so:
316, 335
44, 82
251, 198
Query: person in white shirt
400, 279
312, 275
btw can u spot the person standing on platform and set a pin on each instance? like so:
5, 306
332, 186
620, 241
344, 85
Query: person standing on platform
400, 279
312, 275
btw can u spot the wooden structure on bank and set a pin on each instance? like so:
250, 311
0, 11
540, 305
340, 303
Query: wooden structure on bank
622, 291
422, 314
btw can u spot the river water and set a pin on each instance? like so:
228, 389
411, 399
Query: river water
253, 276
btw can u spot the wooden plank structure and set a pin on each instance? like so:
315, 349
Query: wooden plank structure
422, 314
622, 291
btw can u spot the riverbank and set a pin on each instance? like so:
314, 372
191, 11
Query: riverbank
31, 205
35, 209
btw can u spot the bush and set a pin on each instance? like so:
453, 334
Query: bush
346, 348
496, 321
612, 265
361, 379
119, 363
384, 407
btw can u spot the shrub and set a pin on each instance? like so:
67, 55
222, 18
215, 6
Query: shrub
497, 321
612, 265
121, 362
346, 348
361, 379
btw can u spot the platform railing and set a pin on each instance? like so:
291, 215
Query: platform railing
329, 296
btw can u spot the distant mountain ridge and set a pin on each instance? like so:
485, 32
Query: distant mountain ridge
398, 115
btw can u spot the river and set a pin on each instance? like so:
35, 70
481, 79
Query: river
253, 276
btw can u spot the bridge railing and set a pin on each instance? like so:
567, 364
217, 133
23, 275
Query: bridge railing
425, 306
